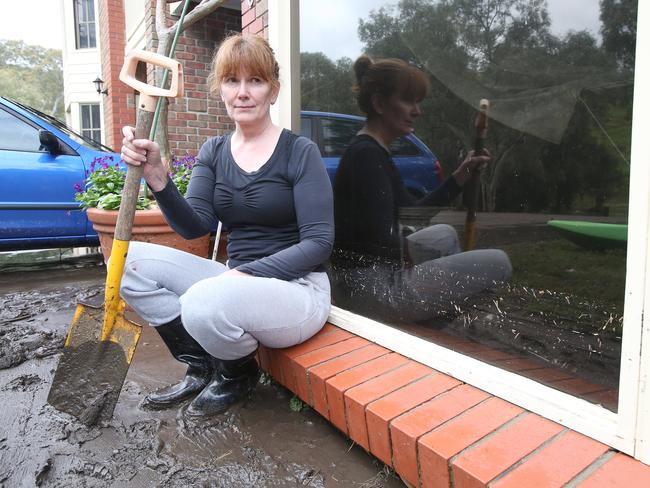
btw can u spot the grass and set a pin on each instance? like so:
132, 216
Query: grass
559, 278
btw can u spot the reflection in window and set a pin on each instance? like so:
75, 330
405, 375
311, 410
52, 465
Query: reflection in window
403, 147
305, 127
84, 14
554, 198
16, 135
337, 134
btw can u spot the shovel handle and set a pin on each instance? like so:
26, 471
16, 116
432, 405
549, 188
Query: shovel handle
131, 189
123, 229
472, 187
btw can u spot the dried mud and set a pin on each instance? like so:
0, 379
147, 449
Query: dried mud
261, 443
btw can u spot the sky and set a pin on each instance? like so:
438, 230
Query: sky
39, 22
33, 21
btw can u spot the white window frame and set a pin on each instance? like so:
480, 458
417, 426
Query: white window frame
99, 127
78, 22
628, 430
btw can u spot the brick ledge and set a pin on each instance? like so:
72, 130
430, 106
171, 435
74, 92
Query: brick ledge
434, 430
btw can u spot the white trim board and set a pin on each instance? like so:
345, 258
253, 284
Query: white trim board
638, 243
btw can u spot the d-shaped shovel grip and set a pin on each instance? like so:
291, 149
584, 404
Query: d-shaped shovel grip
150, 93
146, 107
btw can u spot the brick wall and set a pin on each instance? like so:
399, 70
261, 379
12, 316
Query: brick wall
111, 35
255, 17
199, 115
192, 118
434, 430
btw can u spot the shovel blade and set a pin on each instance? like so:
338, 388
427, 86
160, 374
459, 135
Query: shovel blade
91, 372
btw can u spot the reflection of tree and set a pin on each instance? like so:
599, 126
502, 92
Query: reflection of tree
326, 85
619, 29
560, 104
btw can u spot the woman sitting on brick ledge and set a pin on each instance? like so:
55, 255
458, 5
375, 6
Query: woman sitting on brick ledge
270, 188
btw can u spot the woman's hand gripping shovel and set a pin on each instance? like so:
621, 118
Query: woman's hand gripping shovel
101, 341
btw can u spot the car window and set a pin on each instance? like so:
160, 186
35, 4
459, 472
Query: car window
86, 141
337, 134
305, 127
17, 135
404, 147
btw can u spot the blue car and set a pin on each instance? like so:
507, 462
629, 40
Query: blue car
419, 167
41, 160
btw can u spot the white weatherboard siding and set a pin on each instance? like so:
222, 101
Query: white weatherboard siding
80, 68
134, 23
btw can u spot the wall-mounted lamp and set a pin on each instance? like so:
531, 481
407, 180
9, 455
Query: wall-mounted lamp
99, 83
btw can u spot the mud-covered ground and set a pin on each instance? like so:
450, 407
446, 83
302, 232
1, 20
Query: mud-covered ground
261, 443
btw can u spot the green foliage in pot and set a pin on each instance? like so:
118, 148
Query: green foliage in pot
102, 187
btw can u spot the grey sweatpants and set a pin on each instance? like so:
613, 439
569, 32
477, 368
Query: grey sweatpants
227, 315
441, 278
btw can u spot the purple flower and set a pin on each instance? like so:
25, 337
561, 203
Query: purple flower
78, 188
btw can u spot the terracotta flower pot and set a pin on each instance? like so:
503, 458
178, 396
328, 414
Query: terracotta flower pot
148, 226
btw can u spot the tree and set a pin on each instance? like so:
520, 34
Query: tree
32, 75
484, 26
166, 28
618, 19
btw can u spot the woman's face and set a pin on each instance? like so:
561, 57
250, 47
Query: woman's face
398, 115
248, 98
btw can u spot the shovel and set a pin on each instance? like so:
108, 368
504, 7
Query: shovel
473, 186
100, 344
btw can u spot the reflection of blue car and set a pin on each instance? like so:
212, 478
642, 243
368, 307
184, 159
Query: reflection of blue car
41, 160
419, 167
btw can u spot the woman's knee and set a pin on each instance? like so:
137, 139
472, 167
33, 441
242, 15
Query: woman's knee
210, 314
206, 303
433, 242
495, 263
504, 264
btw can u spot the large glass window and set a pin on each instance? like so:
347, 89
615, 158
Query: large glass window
535, 284
84, 14
91, 126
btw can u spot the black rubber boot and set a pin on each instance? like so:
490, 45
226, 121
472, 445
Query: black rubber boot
232, 381
186, 350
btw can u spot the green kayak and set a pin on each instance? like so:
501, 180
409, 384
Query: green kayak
592, 235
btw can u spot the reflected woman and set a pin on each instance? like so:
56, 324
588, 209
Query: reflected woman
369, 265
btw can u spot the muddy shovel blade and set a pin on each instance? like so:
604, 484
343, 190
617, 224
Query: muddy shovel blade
91, 372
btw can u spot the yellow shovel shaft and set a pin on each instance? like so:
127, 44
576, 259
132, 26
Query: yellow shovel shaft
112, 302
